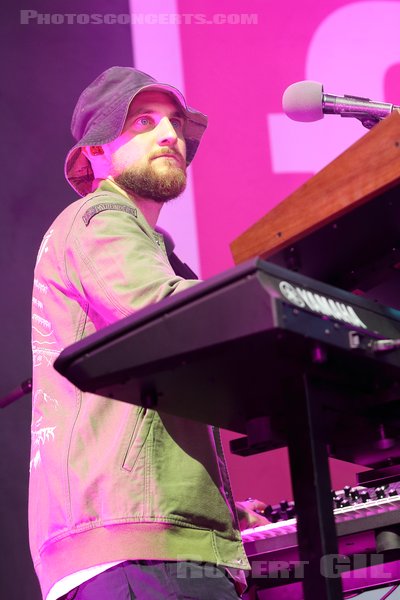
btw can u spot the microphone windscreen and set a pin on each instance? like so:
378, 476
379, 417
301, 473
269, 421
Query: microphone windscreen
302, 101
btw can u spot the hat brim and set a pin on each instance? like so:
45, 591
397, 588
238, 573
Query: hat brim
78, 170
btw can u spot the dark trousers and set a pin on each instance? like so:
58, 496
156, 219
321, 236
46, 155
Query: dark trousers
158, 580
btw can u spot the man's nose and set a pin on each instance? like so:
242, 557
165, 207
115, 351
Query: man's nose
166, 133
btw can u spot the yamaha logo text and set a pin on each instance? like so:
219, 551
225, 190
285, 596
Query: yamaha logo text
322, 305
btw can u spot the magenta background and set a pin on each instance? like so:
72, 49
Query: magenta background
237, 74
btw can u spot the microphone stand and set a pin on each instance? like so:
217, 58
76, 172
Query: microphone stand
24, 388
353, 106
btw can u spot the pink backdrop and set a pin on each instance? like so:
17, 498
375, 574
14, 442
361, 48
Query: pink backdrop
237, 74
252, 155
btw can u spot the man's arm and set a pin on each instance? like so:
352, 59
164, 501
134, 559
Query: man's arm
117, 262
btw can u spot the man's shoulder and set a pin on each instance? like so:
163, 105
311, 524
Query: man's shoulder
100, 200
105, 201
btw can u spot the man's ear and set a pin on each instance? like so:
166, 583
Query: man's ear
90, 151
98, 159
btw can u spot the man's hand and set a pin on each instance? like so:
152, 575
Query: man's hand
249, 513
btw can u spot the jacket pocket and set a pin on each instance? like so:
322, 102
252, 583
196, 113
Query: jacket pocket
140, 433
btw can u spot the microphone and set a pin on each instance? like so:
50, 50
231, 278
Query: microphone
306, 101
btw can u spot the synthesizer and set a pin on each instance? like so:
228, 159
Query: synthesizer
359, 512
366, 563
246, 330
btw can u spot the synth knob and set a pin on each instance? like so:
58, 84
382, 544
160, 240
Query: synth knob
393, 493
346, 502
380, 492
291, 512
275, 516
347, 490
364, 495
355, 494
284, 505
338, 501
268, 510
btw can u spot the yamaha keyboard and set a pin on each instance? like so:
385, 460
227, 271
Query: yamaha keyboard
244, 332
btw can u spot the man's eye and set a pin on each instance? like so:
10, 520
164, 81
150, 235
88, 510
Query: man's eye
143, 123
177, 124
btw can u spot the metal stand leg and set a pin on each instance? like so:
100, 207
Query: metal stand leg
311, 487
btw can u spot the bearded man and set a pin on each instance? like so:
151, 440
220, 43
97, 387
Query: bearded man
125, 502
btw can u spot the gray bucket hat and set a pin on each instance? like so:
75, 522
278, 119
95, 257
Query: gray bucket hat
100, 115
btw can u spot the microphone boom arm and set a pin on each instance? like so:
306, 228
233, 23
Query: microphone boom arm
352, 106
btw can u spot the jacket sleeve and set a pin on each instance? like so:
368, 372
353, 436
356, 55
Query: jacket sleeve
116, 262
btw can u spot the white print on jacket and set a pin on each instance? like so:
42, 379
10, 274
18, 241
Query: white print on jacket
37, 303
42, 322
41, 287
42, 353
40, 434
44, 245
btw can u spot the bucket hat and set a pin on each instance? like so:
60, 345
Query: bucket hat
100, 115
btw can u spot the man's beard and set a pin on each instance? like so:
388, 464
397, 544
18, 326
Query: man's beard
148, 182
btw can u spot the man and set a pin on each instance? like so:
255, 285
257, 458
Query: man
124, 502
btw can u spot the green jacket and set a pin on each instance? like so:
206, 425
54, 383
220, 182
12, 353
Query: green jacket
111, 481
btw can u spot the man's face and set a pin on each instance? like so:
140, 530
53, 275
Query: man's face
148, 159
